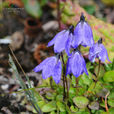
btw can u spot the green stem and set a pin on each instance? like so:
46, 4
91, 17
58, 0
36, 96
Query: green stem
51, 83
64, 93
98, 68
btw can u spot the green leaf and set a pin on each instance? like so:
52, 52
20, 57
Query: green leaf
43, 2
59, 98
33, 8
72, 92
99, 112
53, 112
111, 110
111, 102
81, 102
50, 95
90, 9
109, 76
101, 71
98, 87
41, 103
87, 80
111, 96
63, 112
91, 87
51, 106
73, 109
61, 106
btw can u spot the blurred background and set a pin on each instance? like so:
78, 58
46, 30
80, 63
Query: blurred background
27, 26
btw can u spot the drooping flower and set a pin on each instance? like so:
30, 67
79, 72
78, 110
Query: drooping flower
98, 51
62, 41
50, 67
76, 65
83, 34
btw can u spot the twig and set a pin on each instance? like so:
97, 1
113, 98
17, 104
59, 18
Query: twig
106, 107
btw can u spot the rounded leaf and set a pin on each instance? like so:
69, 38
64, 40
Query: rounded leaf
51, 106
109, 76
61, 106
81, 102
111, 102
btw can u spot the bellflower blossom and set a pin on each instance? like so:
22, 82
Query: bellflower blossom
51, 66
62, 41
76, 65
98, 51
83, 34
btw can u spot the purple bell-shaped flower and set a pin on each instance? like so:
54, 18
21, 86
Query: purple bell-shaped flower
98, 51
83, 34
50, 67
62, 41
76, 65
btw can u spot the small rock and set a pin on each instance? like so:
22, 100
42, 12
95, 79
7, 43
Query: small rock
50, 25
5, 87
103, 92
17, 40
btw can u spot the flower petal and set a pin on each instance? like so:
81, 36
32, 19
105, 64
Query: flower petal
48, 68
84, 66
83, 34
57, 72
103, 54
76, 64
68, 67
52, 42
94, 51
60, 42
39, 67
88, 35
68, 44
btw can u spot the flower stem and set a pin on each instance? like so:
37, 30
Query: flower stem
64, 93
51, 81
65, 78
67, 86
98, 68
